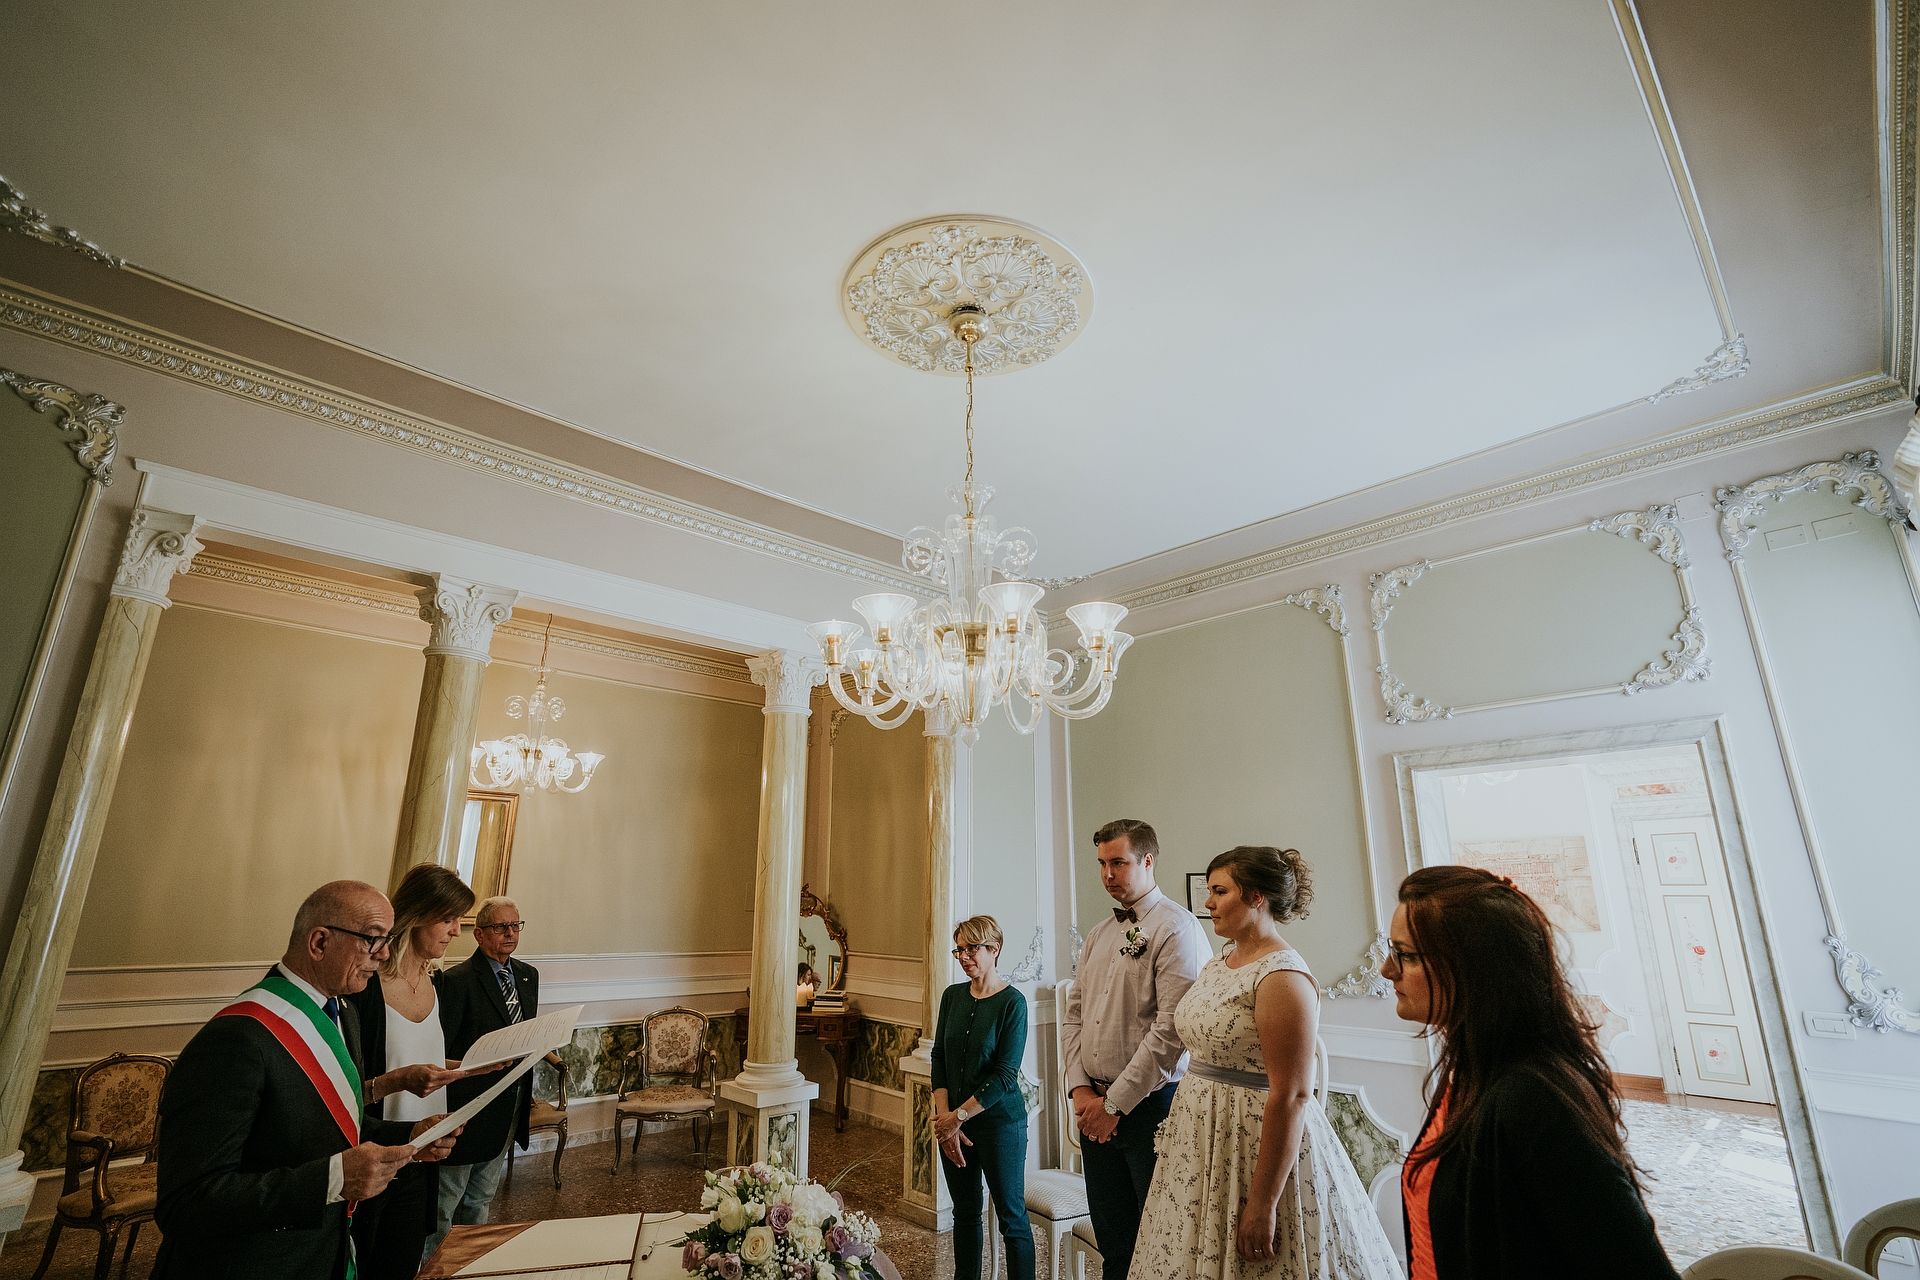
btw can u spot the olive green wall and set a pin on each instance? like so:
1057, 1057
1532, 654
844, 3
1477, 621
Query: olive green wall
1266, 758
877, 878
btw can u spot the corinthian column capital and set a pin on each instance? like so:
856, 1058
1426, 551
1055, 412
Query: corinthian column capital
464, 615
787, 676
159, 545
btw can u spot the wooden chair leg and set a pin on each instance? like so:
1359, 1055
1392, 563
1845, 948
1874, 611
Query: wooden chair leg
559, 1149
103, 1261
126, 1259
46, 1255
616, 1144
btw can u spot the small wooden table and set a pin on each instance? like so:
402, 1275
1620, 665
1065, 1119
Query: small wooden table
836, 1033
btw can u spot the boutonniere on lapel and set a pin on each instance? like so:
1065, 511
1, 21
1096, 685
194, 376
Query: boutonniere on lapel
1135, 945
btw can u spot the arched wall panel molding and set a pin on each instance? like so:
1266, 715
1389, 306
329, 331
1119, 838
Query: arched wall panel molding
1271, 757
59, 445
1604, 607
1828, 585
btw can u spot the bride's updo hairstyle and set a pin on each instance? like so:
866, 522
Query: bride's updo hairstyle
1281, 876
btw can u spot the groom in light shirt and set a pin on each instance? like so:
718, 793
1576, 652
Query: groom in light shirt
1122, 1057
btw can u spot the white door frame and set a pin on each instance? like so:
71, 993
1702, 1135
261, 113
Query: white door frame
1817, 1201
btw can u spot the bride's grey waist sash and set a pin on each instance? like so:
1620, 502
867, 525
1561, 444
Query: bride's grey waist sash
1226, 1075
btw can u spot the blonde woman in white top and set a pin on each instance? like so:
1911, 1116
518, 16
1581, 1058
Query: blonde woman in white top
400, 1038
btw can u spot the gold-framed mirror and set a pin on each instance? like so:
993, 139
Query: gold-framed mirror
823, 945
486, 844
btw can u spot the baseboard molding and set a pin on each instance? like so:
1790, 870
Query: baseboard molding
1866, 1095
881, 1107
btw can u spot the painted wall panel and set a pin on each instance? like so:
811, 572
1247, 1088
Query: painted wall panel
879, 836
1005, 874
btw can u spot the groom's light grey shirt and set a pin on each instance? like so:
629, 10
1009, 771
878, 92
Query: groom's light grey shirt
1118, 1024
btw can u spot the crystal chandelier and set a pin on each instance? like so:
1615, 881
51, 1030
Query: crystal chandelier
983, 643
533, 762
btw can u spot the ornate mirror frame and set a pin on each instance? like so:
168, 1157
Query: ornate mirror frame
482, 892
811, 905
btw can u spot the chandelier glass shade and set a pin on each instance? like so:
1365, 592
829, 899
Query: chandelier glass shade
981, 643
532, 761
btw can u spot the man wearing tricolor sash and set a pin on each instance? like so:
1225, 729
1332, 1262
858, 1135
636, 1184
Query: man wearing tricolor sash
264, 1149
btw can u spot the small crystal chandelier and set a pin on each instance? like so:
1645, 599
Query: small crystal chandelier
983, 643
523, 762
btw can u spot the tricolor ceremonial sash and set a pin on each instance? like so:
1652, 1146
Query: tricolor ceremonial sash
306, 1032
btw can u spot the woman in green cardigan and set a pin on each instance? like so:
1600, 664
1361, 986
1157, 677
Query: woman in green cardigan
977, 1046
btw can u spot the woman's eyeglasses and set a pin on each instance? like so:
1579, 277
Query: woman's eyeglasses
1403, 957
971, 948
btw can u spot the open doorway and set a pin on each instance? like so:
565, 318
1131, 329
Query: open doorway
1629, 842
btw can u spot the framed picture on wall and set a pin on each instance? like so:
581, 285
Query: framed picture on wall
1197, 893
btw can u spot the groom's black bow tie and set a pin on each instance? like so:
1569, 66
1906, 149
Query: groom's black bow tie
1125, 913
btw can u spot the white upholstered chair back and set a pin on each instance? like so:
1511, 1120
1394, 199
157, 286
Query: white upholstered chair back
1873, 1233
1770, 1262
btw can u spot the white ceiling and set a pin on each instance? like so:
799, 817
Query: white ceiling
1330, 243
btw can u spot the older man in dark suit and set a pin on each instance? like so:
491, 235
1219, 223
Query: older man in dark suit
486, 991
263, 1147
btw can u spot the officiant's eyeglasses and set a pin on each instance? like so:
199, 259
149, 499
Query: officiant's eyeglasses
376, 942
511, 926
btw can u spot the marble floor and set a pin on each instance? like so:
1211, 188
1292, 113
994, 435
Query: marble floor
1715, 1178
666, 1176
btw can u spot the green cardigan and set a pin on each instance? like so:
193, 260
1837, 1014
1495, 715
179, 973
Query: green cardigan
977, 1047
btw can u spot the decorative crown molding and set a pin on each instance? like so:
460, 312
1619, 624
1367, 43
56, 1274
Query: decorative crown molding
246, 574
463, 615
1728, 360
159, 544
95, 418
1789, 418
21, 218
631, 650
1742, 506
1658, 527
314, 402
787, 676
1324, 600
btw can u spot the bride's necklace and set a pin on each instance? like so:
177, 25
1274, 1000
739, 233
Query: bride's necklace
413, 984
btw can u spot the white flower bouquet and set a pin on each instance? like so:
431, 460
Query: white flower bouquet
769, 1225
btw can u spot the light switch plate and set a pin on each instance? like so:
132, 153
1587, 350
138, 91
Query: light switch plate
1828, 1026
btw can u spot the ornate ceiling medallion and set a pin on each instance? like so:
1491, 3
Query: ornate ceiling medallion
901, 291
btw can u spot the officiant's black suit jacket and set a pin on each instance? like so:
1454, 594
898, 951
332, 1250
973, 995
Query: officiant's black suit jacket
245, 1140
471, 1004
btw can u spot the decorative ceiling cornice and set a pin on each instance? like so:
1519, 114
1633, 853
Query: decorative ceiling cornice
22, 219
1899, 41
406, 604
1802, 414
28, 312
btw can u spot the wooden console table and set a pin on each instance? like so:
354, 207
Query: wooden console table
836, 1033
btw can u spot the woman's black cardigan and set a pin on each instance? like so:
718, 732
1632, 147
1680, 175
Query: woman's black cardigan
1530, 1195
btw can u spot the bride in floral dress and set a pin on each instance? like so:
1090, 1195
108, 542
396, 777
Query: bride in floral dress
1224, 1204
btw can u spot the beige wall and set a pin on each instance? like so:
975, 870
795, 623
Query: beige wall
879, 837
653, 856
1264, 758
263, 761
1005, 871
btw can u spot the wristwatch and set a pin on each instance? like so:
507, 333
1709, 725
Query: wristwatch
1107, 1102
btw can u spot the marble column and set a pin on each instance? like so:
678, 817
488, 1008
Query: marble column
768, 1103
463, 615
159, 544
923, 1191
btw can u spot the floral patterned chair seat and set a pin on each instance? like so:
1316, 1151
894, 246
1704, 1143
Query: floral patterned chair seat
677, 1078
114, 1115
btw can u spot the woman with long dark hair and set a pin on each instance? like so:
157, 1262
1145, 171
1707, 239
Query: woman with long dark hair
1521, 1169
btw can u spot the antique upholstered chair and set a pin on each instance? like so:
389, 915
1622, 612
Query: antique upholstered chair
677, 1078
1877, 1230
115, 1115
548, 1117
1770, 1262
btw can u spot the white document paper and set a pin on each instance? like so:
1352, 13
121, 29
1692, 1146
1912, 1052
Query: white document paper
535, 1035
549, 1031
566, 1242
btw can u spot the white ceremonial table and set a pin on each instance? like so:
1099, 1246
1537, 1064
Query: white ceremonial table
619, 1246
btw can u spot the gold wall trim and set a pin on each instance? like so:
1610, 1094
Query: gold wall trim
41, 317
406, 605
1789, 418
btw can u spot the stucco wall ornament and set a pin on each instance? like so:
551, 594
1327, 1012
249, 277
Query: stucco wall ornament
787, 677
94, 418
901, 291
1658, 527
21, 218
1367, 980
1402, 707
1680, 663
1881, 1008
1324, 601
1728, 360
1029, 968
159, 544
1742, 506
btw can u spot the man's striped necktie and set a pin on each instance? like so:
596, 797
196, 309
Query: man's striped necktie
513, 996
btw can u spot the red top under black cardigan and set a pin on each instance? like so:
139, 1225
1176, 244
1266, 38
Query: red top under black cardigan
1529, 1196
